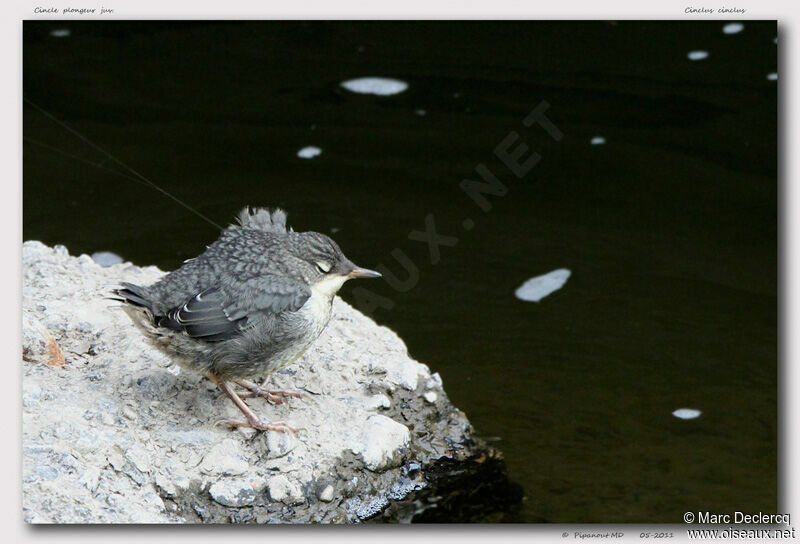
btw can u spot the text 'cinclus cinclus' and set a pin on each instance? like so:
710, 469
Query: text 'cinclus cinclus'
251, 304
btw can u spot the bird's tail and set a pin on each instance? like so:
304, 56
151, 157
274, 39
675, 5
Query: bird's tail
137, 305
133, 294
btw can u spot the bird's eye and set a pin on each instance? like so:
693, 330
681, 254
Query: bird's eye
323, 267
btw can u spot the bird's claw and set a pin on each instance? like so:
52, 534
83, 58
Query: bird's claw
274, 396
278, 426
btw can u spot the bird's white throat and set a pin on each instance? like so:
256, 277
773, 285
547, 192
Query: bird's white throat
322, 292
328, 287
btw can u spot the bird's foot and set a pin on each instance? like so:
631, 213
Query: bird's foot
251, 419
275, 396
278, 426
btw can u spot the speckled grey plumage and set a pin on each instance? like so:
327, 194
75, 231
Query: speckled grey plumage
253, 302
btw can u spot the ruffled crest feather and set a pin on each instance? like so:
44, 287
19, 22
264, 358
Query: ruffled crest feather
263, 219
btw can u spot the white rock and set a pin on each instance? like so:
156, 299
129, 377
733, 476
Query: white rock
380, 86
248, 432
327, 494
38, 345
236, 492
139, 458
171, 440
376, 402
182, 482
279, 444
31, 393
116, 458
401, 371
90, 479
772, 76
224, 459
597, 140
106, 258
697, 55
281, 489
535, 289
166, 485
430, 397
381, 442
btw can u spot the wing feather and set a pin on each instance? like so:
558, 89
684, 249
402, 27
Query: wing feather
213, 315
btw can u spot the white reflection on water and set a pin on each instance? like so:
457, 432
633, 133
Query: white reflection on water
697, 55
535, 289
732, 28
380, 86
309, 152
597, 140
686, 413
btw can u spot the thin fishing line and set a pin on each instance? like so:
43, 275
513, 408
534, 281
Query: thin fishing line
81, 159
112, 157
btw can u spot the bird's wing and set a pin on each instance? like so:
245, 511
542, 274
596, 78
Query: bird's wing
214, 315
266, 294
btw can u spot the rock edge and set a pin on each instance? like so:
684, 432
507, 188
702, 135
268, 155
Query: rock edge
114, 432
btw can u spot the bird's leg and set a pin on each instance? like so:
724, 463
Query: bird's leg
252, 419
273, 395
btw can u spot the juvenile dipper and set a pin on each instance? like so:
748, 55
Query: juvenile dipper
249, 305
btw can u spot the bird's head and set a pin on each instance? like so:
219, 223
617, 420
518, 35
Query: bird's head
324, 265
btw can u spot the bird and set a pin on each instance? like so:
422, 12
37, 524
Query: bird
251, 304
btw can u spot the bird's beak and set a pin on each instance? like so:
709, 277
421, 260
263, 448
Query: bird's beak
359, 272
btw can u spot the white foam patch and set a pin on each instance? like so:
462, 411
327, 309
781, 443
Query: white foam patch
773, 76
380, 86
697, 55
732, 28
597, 140
535, 289
106, 258
309, 152
686, 413
60, 33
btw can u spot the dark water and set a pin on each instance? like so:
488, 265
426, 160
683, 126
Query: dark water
669, 229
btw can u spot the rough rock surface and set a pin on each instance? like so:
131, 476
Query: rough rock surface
114, 432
